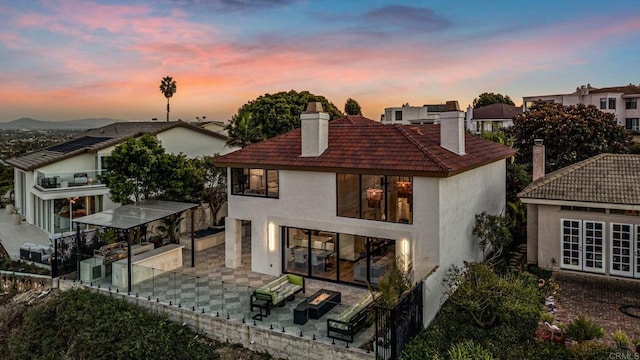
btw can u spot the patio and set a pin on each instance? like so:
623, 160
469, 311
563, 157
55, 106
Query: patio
600, 299
212, 288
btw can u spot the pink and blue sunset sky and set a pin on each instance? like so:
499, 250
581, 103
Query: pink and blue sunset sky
70, 59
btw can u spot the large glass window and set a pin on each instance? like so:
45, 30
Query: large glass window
255, 182
346, 258
632, 124
375, 197
65, 210
631, 104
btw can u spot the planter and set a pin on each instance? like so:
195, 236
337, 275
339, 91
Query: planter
558, 337
17, 219
543, 335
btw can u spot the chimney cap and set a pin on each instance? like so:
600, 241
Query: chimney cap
538, 142
314, 107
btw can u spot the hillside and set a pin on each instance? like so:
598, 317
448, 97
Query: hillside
79, 124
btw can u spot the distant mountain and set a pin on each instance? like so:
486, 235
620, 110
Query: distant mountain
33, 124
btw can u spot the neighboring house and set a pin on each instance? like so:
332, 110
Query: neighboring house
621, 101
491, 117
61, 182
340, 200
426, 114
586, 216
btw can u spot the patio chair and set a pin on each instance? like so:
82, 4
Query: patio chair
300, 258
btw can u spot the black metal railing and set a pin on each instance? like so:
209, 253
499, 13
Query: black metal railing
398, 325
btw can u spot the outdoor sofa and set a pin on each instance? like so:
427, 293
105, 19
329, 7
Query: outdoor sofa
346, 324
278, 290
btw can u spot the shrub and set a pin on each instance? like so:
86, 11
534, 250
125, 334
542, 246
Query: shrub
591, 350
582, 329
469, 350
514, 301
621, 339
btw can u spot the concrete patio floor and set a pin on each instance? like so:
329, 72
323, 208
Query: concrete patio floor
13, 236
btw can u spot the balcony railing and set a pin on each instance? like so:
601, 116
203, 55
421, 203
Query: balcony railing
61, 180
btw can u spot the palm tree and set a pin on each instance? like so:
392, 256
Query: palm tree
168, 88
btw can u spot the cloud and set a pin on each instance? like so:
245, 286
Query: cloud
234, 5
406, 17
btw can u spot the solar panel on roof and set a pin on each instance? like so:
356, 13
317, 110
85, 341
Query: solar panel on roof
77, 144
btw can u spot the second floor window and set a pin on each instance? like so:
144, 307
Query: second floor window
603, 103
375, 197
631, 104
255, 182
398, 115
612, 103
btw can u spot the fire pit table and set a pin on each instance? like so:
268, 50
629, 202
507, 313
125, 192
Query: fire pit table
321, 302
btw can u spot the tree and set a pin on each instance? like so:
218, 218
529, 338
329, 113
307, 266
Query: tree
351, 107
570, 134
135, 169
494, 234
215, 185
485, 99
244, 131
274, 114
141, 169
168, 88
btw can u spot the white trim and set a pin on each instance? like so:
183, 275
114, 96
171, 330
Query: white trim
636, 264
603, 247
580, 203
612, 262
570, 250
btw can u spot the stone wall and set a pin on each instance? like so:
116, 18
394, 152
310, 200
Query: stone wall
282, 345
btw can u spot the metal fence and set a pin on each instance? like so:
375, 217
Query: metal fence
398, 325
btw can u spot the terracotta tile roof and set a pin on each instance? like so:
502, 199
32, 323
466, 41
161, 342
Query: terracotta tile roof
359, 144
626, 90
97, 139
604, 178
496, 111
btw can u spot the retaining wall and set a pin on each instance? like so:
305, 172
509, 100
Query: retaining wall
258, 339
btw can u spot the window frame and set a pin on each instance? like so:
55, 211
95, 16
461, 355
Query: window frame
631, 103
612, 103
603, 103
241, 183
386, 189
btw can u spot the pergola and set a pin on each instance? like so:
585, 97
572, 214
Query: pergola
129, 217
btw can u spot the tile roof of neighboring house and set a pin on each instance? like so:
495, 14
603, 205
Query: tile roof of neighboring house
97, 139
496, 111
604, 178
626, 90
360, 144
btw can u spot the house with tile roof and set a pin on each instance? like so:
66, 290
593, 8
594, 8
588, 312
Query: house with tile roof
61, 182
491, 117
621, 101
341, 200
586, 216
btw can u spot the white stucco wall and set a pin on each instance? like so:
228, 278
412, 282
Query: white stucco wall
192, 143
461, 198
307, 200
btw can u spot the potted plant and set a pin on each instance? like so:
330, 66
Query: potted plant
558, 336
621, 339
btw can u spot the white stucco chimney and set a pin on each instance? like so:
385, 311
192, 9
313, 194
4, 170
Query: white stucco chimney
315, 130
452, 131
538, 159
469, 117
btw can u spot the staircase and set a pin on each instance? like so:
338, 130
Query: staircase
518, 258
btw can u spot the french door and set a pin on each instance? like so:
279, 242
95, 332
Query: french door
582, 245
625, 250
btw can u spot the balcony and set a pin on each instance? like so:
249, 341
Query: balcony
65, 180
